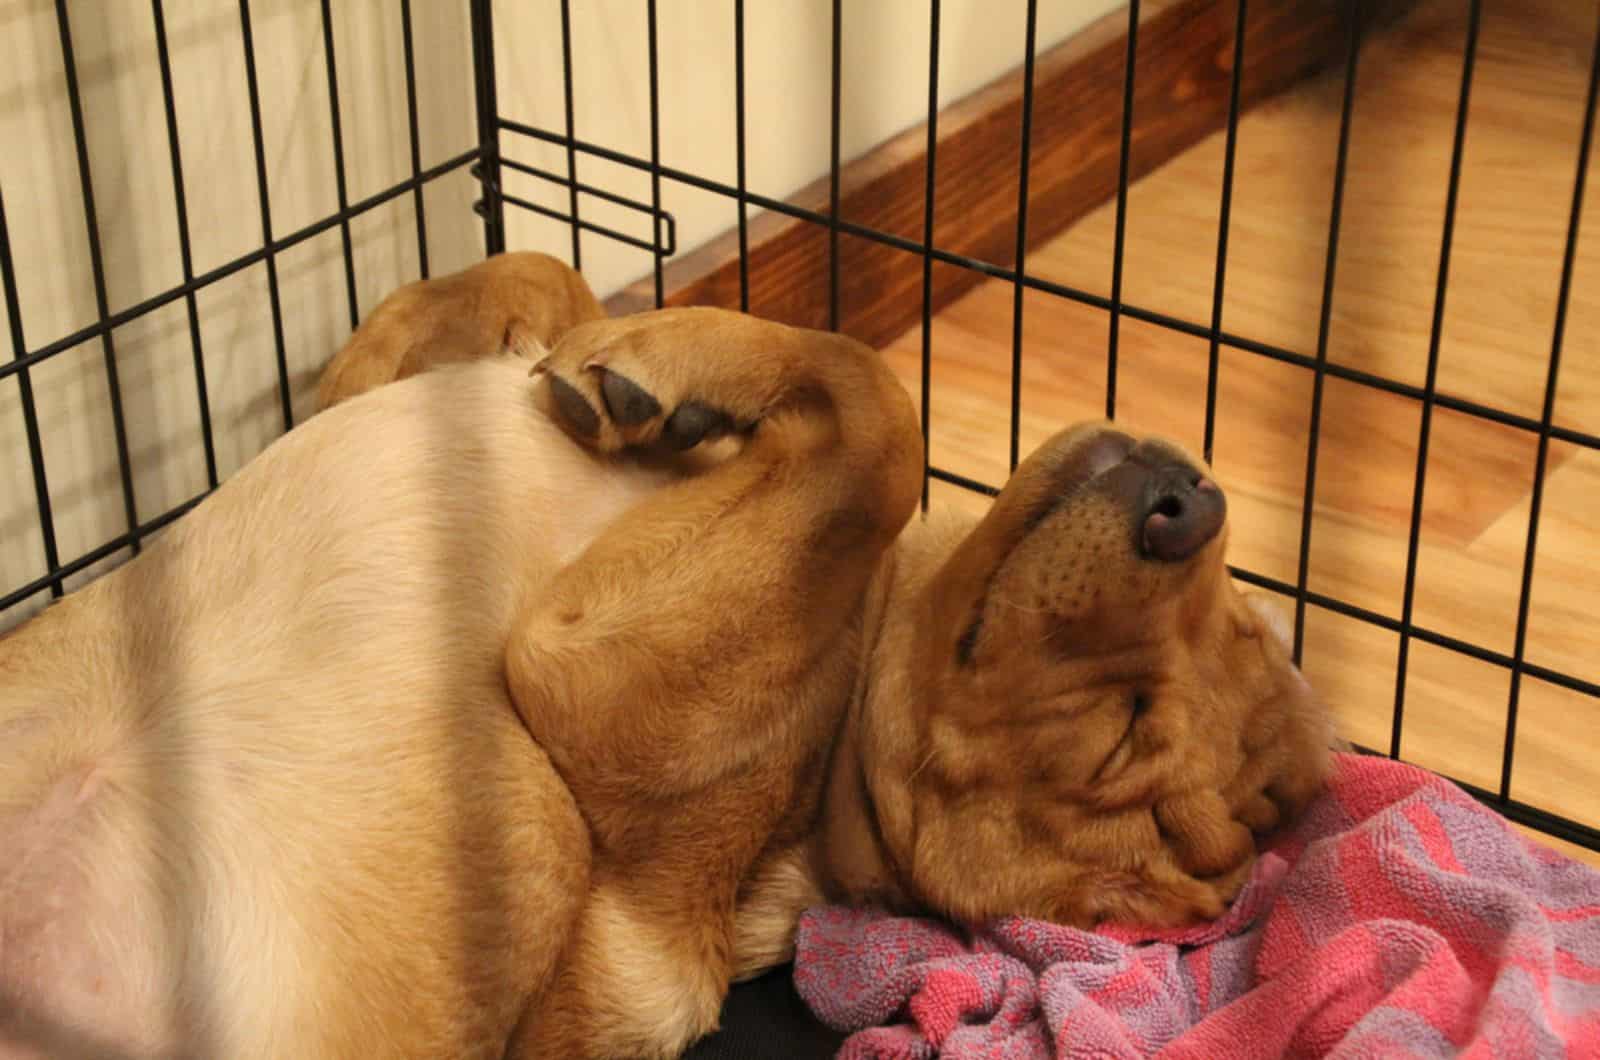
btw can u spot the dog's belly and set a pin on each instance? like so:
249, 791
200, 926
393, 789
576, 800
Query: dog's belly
77, 976
269, 797
379, 895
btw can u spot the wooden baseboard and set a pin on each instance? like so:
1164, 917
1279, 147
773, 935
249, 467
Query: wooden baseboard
1182, 83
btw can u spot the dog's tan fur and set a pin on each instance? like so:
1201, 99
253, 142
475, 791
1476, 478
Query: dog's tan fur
433, 733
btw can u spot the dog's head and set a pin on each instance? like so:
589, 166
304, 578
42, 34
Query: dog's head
1076, 715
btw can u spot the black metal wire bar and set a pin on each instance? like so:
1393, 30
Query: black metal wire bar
1474, 12
285, 400
1024, 164
833, 170
739, 154
669, 244
1132, 311
1324, 327
565, 182
30, 411
1224, 216
1119, 241
655, 152
1354, 375
54, 579
1422, 633
1541, 458
338, 164
932, 150
589, 226
483, 75
572, 153
185, 254
97, 267
416, 138
221, 272
963, 481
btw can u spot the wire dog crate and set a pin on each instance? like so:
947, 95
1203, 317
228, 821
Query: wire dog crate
499, 140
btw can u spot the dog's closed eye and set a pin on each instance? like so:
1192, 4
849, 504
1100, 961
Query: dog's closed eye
1122, 754
1140, 705
968, 641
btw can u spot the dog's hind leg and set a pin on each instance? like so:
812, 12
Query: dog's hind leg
686, 671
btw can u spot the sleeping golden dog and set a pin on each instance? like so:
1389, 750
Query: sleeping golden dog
485, 715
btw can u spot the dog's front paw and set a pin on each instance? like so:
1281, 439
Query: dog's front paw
610, 407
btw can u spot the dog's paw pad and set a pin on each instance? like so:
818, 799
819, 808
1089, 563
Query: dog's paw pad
609, 402
691, 423
628, 403
574, 408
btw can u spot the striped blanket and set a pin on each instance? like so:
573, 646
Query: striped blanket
1400, 918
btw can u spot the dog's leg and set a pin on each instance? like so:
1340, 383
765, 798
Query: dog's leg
686, 671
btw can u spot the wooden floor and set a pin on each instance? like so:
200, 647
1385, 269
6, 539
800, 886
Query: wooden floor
1511, 222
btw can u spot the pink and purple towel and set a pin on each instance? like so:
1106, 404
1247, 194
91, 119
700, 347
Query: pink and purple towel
1399, 919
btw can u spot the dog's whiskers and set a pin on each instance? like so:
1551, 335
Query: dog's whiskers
1006, 601
921, 766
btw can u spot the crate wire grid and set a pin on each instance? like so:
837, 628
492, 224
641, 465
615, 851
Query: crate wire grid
488, 160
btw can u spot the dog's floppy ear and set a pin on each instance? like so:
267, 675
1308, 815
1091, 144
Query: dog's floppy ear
1300, 743
1273, 620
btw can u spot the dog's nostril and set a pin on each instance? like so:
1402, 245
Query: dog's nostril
1182, 511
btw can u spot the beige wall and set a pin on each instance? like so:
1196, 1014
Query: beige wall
788, 41
884, 63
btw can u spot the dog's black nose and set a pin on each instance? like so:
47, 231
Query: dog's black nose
1181, 511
